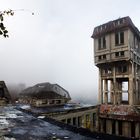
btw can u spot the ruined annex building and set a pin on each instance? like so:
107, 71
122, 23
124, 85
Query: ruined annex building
117, 55
44, 94
4, 94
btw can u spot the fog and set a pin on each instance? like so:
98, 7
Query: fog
54, 45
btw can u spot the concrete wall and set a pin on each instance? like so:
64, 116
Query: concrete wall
120, 127
79, 118
42, 102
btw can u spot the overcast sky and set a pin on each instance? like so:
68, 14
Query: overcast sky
54, 45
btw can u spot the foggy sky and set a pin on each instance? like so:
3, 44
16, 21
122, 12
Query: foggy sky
54, 45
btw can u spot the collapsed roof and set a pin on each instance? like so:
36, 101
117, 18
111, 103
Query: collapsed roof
46, 90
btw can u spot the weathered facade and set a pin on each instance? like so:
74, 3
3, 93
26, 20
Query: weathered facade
44, 94
85, 117
117, 55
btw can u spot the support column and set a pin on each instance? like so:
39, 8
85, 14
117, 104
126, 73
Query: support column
130, 91
119, 93
126, 129
111, 92
100, 94
105, 91
114, 86
137, 130
101, 126
130, 84
109, 126
116, 128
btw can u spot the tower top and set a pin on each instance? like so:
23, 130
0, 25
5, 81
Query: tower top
115, 25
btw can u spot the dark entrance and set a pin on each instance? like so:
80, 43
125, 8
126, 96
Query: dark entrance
113, 127
120, 127
104, 125
132, 129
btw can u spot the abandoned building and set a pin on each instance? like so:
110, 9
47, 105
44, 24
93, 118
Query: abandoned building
117, 55
4, 94
44, 94
84, 117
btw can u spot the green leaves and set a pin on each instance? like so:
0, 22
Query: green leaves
3, 30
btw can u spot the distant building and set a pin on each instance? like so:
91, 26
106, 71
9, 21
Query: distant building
4, 94
117, 55
44, 94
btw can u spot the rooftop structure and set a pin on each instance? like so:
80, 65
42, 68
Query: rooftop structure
117, 55
45, 94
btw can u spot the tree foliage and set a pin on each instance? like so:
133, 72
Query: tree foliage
3, 30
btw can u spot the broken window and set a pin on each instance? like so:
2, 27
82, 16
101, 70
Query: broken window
122, 53
102, 57
69, 121
119, 54
79, 121
99, 43
94, 119
107, 71
74, 121
102, 43
116, 38
99, 57
122, 69
119, 38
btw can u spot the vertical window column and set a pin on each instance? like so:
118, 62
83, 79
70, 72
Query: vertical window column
119, 38
101, 43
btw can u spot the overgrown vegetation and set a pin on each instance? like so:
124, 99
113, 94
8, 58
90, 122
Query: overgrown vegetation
3, 30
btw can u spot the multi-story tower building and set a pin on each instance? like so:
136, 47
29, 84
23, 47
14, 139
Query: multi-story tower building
117, 55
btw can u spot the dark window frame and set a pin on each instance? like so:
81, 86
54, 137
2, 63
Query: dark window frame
119, 54
101, 57
122, 69
119, 38
102, 43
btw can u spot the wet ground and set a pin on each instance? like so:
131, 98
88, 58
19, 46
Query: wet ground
17, 125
